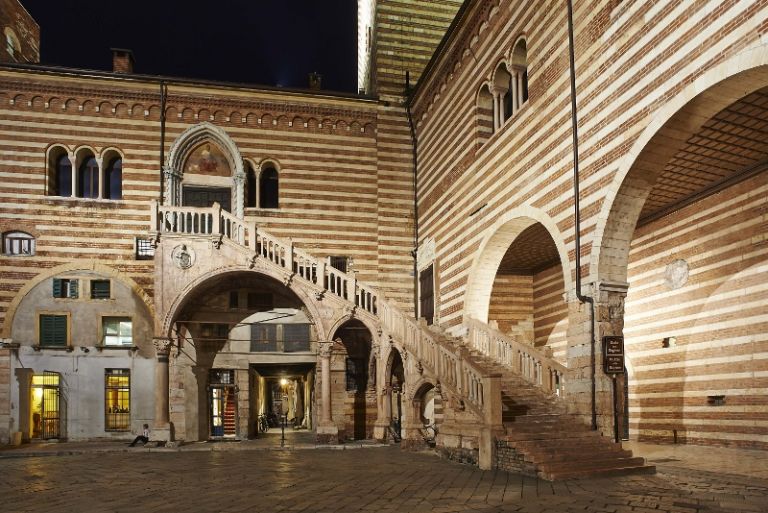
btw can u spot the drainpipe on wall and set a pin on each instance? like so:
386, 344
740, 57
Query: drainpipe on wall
576, 216
163, 97
414, 253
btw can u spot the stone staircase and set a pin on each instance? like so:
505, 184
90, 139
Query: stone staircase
541, 438
500, 380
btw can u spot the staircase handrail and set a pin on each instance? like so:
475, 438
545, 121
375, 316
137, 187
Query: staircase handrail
449, 363
529, 362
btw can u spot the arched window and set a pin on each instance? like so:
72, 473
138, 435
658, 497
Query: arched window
113, 179
503, 99
18, 244
88, 178
250, 186
268, 188
61, 183
519, 82
484, 114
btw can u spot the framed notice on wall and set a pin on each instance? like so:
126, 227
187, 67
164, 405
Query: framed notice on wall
613, 355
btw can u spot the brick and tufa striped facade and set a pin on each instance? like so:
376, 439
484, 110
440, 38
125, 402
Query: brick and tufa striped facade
473, 166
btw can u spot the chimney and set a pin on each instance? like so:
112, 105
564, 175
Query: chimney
315, 80
122, 60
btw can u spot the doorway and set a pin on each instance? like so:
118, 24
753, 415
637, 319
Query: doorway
207, 196
45, 421
222, 401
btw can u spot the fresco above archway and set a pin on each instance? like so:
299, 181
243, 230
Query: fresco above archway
207, 159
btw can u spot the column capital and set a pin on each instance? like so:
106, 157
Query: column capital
325, 349
162, 346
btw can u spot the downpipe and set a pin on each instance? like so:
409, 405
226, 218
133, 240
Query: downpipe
414, 252
577, 218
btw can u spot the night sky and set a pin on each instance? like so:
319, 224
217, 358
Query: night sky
268, 42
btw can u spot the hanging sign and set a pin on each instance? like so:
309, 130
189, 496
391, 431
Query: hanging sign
613, 355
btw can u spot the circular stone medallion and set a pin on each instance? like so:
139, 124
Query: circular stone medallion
676, 274
183, 257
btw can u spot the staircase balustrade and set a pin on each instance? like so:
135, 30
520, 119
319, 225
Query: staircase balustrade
530, 363
448, 362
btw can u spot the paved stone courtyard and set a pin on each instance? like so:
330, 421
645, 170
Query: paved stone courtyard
375, 479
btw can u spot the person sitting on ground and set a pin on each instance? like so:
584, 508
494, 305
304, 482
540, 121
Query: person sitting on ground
143, 437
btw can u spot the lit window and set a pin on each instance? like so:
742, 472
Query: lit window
65, 288
18, 244
117, 399
53, 330
100, 289
144, 249
118, 331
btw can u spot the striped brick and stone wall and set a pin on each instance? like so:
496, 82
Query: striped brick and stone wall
715, 319
341, 190
638, 65
407, 33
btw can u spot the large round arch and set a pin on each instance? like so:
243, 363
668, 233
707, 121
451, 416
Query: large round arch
166, 323
92, 265
674, 123
492, 250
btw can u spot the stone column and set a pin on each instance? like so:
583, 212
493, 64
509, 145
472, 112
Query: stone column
238, 199
327, 431
609, 320
101, 178
73, 187
162, 428
384, 416
515, 89
497, 107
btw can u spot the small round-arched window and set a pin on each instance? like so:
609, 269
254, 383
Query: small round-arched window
18, 244
268, 188
113, 178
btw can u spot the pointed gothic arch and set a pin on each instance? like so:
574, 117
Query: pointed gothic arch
186, 143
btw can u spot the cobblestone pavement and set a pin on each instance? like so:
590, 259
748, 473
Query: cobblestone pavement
374, 479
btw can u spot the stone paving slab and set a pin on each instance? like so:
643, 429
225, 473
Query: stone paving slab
369, 479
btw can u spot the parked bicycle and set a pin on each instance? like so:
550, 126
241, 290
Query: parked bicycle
263, 423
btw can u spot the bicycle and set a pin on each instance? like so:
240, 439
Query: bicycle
263, 423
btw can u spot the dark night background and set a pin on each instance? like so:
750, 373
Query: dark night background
268, 42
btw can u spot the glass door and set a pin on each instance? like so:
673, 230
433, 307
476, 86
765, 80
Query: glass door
45, 421
223, 404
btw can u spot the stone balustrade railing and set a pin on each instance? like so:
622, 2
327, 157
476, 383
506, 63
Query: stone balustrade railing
528, 361
479, 389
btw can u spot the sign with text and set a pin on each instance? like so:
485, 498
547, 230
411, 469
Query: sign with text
613, 355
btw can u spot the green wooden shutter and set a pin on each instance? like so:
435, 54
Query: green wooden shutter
53, 330
56, 287
73, 292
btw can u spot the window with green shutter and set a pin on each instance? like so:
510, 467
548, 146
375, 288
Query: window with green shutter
53, 330
65, 288
100, 289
